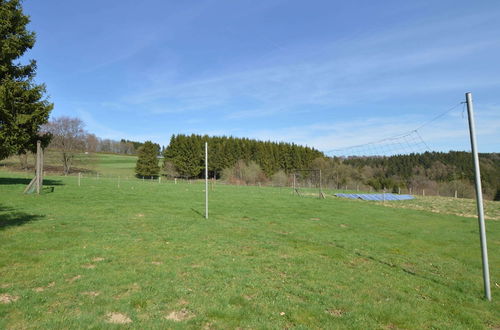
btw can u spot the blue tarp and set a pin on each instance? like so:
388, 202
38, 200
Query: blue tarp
377, 197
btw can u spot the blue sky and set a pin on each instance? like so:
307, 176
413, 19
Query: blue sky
328, 74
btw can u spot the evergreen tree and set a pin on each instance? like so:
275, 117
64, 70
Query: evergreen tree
147, 161
22, 105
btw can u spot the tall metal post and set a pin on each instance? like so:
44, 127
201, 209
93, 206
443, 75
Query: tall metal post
206, 180
38, 168
320, 186
479, 197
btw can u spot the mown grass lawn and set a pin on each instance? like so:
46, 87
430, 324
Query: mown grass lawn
264, 259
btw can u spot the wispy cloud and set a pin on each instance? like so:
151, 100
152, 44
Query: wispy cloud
450, 131
345, 73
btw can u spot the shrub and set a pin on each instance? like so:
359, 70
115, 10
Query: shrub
279, 179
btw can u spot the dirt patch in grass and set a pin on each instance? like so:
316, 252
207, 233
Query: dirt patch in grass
179, 316
315, 219
91, 293
43, 288
156, 262
6, 298
207, 326
98, 259
358, 261
75, 278
5, 286
335, 312
88, 266
183, 302
118, 318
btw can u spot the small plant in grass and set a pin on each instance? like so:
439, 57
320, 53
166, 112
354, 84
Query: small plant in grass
147, 163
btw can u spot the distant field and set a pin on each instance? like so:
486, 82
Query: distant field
121, 165
105, 164
141, 252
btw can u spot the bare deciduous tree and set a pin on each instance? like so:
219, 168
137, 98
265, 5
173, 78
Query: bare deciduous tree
91, 142
68, 136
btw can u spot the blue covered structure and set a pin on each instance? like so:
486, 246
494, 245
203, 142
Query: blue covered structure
377, 197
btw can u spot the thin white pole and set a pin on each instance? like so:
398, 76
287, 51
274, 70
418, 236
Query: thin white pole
479, 197
38, 165
206, 180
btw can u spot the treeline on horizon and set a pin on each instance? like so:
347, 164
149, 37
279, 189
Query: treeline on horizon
187, 155
250, 161
437, 172
92, 143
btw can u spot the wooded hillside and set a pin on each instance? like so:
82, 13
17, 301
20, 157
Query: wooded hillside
242, 160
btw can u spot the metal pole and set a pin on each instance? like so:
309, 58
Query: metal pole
38, 165
320, 186
41, 167
479, 197
206, 180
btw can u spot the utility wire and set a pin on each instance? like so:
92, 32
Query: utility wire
402, 135
438, 116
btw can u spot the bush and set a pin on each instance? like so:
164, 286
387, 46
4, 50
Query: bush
279, 179
241, 172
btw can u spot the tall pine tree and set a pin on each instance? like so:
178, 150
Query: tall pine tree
147, 161
22, 105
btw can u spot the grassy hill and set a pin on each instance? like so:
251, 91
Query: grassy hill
93, 163
141, 252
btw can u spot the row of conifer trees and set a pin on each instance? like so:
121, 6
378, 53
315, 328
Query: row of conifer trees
185, 156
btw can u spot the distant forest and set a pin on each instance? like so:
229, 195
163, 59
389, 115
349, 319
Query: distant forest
247, 161
186, 153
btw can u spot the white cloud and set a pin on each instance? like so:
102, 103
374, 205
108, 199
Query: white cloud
450, 130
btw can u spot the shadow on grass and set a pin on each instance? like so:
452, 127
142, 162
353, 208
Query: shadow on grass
198, 212
391, 265
23, 181
14, 219
5, 209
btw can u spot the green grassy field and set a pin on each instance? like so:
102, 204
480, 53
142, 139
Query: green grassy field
93, 163
264, 259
